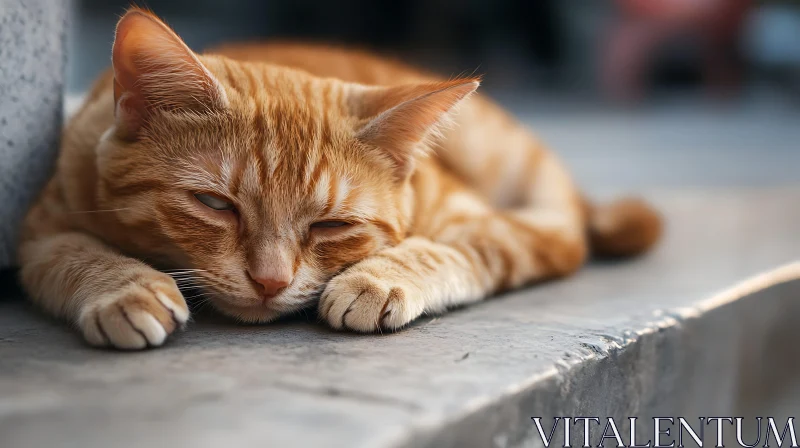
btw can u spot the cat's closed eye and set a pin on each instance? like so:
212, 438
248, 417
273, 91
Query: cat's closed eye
331, 224
215, 202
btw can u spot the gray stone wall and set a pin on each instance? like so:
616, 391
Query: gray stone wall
32, 60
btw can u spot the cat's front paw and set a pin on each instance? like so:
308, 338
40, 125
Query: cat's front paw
140, 315
358, 300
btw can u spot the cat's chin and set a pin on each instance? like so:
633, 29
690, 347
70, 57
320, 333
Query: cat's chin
248, 314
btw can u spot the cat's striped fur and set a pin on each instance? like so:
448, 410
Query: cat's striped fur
429, 216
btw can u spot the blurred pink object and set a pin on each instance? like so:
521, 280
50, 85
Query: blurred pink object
713, 26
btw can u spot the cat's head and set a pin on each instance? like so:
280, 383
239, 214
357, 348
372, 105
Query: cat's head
261, 180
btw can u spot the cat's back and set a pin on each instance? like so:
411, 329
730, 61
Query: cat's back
352, 65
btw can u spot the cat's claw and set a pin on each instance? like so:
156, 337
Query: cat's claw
360, 302
138, 316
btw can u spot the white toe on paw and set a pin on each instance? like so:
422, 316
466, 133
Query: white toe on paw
180, 314
140, 315
149, 327
365, 304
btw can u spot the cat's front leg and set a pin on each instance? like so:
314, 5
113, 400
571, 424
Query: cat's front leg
115, 300
464, 261
388, 290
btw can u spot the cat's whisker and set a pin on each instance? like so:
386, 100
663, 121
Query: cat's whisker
186, 278
200, 305
184, 274
188, 284
195, 296
99, 211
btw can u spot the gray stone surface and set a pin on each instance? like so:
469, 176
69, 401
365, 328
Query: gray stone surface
32, 60
668, 334
684, 145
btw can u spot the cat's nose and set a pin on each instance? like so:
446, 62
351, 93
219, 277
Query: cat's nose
271, 286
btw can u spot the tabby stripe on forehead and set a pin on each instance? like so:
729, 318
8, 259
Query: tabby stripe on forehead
324, 124
311, 183
258, 149
314, 131
279, 139
312, 160
333, 187
340, 193
311, 126
266, 152
320, 193
236, 178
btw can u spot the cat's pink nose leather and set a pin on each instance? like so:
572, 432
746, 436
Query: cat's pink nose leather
271, 286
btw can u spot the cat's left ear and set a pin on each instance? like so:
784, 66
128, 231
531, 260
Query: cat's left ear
397, 119
155, 70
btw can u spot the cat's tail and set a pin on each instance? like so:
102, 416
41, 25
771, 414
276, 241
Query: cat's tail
622, 228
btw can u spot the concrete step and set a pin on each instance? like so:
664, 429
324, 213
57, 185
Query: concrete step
699, 327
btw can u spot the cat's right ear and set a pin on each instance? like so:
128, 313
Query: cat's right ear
154, 70
396, 119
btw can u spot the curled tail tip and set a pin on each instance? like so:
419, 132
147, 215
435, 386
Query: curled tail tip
623, 228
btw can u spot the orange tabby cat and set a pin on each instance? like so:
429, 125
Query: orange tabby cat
271, 176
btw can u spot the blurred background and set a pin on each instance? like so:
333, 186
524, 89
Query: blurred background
708, 91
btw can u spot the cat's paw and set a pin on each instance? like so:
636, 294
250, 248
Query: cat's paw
357, 300
140, 315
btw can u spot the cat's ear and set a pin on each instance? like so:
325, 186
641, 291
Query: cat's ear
399, 118
155, 70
